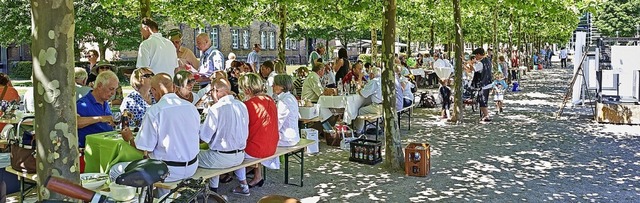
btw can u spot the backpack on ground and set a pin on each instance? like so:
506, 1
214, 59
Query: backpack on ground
427, 100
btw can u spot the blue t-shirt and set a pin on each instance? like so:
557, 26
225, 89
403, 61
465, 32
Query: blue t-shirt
88, 106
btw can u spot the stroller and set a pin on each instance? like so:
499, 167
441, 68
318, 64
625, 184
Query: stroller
470, 97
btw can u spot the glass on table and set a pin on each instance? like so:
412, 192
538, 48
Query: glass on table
117, 117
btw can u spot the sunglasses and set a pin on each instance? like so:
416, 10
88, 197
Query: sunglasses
88, 56
148, 75
191, 81
104, 68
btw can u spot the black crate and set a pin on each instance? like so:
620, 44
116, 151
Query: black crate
366, 151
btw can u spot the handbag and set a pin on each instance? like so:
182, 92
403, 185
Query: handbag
345, 143
23, 150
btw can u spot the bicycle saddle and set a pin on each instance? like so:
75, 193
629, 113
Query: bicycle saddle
142, 173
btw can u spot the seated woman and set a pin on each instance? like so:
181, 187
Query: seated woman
356, 74
140, 99
184, 81
8, 92
263, 129
301, 74
287, 111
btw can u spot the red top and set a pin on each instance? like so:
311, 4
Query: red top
263, 127
347, 78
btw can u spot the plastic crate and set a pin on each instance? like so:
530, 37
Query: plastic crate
417, 159
366, 151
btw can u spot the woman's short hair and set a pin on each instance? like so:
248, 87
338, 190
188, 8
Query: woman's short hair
104, 78
80, 73
181, 78
284, 81
252, 83
136, 77
501, 58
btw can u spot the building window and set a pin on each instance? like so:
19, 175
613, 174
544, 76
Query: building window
272, 40
263, 40
286, 44
214, 37
245, 39
294, 44
235, 41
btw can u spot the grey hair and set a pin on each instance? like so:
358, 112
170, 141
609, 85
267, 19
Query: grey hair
376, 72
285, 81
80, 73
104, 78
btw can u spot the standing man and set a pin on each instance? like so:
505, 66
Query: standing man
155, 51
167, 132
485, 81
563, 57
211, 59
253, 58
186, 59
316, 54
92, 56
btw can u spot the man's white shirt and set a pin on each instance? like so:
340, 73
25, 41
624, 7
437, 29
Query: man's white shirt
157, 53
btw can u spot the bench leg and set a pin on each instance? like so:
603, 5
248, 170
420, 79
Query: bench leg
377, 128
264, 172
410, 112
296, 155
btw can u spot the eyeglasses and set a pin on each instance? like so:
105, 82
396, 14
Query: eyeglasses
191, 81
148, 75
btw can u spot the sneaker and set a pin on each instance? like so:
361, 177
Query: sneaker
242, 190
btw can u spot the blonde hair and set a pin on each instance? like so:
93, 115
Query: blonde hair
181, 78
136, 77
252, 83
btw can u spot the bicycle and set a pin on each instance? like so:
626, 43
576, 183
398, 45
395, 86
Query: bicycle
139, 174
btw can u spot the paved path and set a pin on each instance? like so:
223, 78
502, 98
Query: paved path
525, 154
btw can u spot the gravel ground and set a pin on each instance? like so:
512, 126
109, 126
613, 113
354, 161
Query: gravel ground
525, 154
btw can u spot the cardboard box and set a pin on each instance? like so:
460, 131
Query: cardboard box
309, 112
311, 134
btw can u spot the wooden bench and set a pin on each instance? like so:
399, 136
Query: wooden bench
297, 152
406, 111
29, 179
306, 122
371, 119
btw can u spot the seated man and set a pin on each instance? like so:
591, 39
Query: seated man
372, 89
167, 132
312, 87
226, 129
94, 114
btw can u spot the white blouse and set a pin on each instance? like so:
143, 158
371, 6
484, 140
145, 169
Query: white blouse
288, 119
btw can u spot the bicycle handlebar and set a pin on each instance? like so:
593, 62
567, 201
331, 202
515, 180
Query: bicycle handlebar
73, 190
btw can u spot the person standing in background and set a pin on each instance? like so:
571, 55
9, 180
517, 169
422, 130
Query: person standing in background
254, 58
156, 51
317, 54
186, 59
92, 56
211, 60
563, 57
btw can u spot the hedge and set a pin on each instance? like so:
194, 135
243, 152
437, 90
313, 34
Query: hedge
22, 70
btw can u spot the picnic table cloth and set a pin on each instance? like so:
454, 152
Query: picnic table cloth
351, 104
418, 71
103, 150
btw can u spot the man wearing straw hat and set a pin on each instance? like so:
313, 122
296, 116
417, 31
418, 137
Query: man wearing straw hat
186, 59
